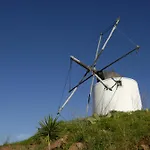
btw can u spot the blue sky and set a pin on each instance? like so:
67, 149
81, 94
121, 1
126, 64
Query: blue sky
36, 40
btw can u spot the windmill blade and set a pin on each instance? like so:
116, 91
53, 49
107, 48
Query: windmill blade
135, 49
81, 81
67, 100
97, 53
104, 45
84, 80
92, 83
89, 96
84, 66
98, 46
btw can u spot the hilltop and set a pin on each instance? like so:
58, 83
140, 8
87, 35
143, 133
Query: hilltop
116, 131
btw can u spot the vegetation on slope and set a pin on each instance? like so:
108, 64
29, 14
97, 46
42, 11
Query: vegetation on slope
116, 131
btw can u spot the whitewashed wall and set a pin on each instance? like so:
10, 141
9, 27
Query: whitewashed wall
124, 98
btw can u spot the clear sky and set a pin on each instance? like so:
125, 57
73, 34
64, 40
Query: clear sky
36, 40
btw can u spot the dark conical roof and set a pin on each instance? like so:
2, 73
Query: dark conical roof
107, 74
110, 74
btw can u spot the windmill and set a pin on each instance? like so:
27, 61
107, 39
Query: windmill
111, 92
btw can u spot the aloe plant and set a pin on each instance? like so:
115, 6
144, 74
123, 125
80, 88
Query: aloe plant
49, 129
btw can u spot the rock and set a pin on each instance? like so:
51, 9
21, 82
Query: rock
58, 143
144, 143
77, 146
145, 147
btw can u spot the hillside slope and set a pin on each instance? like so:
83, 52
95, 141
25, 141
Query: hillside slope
116, 131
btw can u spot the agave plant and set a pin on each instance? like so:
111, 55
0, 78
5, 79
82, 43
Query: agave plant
49, 129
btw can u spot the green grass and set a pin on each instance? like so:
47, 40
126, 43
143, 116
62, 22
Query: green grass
118, 131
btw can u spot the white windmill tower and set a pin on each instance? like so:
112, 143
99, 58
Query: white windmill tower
111, 92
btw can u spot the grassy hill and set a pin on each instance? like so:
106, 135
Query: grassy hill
116, 131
